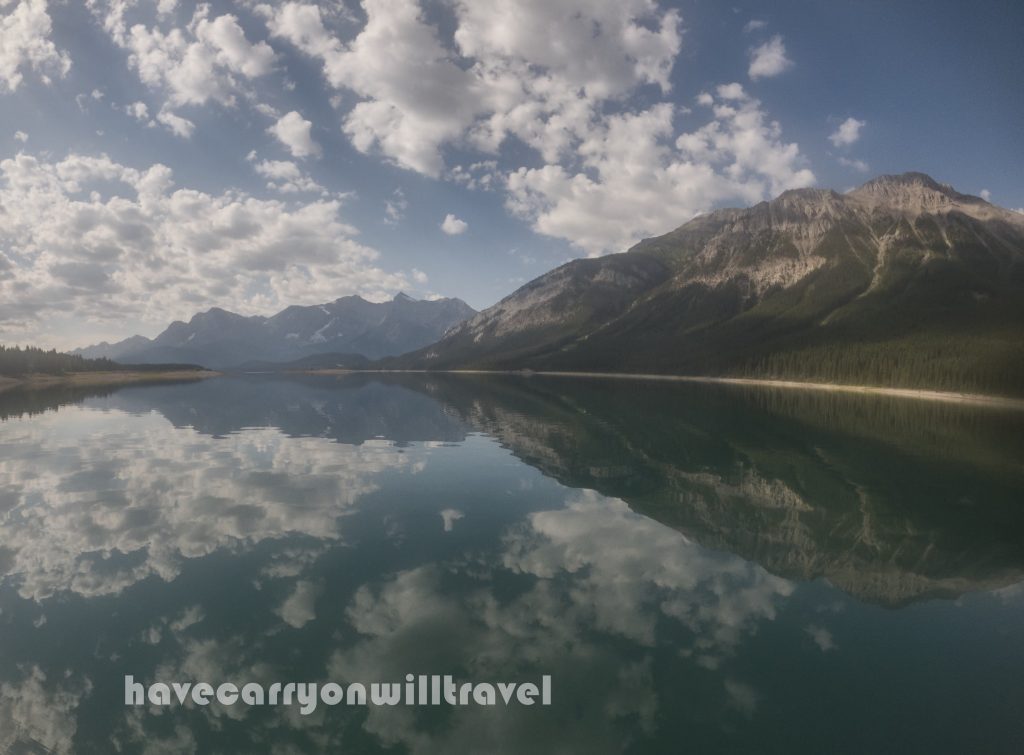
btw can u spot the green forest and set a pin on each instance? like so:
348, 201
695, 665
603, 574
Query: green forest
962, 364
16, 361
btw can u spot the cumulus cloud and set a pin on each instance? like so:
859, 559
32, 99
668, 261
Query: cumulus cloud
176, 124
416, 97
847, 133
453, 226
753, 25
20, 136
295, 133
285, 176
395, 207
985, 194
25, 44
607, 175
209, 59
138, 110
483, 175
769, 59
103, 241
636, 181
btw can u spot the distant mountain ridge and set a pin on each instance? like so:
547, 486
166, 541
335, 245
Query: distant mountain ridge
903, 281
350, 326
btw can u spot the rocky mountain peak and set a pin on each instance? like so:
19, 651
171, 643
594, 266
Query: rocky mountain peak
899, 265
911, 192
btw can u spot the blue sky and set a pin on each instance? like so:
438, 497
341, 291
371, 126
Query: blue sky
159, 157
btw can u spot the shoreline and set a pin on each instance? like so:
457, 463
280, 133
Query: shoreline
951, 397
40, 380
36, 381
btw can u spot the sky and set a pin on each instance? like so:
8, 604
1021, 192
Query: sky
161, 157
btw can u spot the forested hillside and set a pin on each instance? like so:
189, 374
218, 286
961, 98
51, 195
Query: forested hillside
16, 361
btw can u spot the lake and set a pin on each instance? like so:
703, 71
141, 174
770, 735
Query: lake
698, 568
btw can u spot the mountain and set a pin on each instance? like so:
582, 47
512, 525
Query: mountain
903, 281
104, 350
348, 326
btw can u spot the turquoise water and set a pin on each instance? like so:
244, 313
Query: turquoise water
698, 568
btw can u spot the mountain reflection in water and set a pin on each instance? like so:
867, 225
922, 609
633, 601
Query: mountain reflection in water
698, 567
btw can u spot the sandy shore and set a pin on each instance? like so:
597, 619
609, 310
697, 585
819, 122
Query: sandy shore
972, 399
325, 371
101, 378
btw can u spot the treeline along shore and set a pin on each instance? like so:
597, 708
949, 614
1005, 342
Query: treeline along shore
31, 366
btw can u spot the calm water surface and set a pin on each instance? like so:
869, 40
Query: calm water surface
700, 569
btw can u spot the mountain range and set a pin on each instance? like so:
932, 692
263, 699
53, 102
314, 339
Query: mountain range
347, 331
902, 281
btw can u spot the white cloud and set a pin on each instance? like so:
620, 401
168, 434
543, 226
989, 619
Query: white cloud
847, 133
88, 237
753, 25
286, 177
483, 175
138, 110
986, 194
294, 132
858, 165
606, 178
25, 44
453, 226
20, 136
395, 207
635, 181
769, 59
416, 98
207, 60
177, 125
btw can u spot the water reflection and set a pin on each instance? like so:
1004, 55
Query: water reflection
654, 550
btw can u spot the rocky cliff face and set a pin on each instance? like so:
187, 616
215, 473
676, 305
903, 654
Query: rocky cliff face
902, 260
